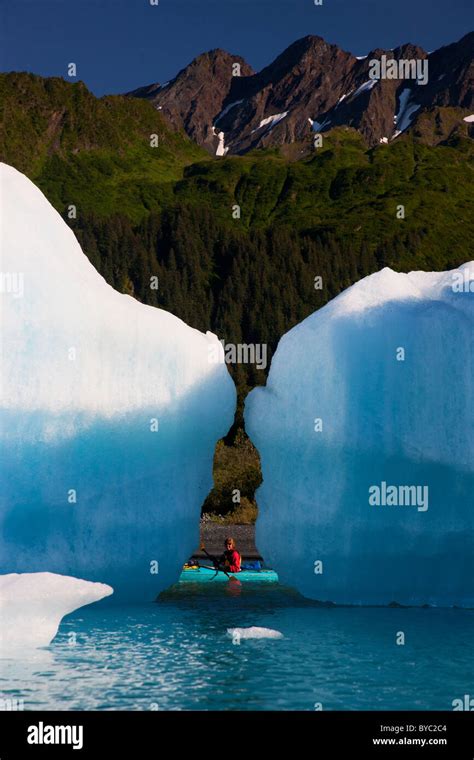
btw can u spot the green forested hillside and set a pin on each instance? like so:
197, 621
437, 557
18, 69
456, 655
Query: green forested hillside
92, 152
246, 273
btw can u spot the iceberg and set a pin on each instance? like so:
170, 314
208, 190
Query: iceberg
33, 604
109, 414
366, 435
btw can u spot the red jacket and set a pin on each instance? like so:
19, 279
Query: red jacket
231, 560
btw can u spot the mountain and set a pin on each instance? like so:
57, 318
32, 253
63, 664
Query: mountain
195, 97
315, 86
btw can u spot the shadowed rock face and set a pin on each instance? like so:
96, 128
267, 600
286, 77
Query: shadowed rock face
312, 86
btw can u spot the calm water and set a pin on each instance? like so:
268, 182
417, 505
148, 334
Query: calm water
176, 655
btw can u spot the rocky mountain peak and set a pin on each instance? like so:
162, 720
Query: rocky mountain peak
311, 86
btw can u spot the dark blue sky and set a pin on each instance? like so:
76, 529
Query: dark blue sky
121, 44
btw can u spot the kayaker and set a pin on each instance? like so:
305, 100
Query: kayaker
231, 558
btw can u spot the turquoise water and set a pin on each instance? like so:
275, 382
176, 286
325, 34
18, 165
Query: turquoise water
176, 655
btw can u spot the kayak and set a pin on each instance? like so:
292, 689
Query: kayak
208, 575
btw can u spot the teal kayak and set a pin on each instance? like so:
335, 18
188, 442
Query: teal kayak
208, 575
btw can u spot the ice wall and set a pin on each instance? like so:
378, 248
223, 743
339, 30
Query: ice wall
375, 388
110, 411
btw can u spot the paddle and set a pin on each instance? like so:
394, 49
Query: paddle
217, 566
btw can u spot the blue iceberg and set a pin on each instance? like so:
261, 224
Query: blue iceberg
110, 412
366, 435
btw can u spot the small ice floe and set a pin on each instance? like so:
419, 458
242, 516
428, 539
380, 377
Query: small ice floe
254, 632
32, 606
470, 118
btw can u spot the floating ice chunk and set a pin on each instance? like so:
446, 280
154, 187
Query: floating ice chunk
376, 387
109, 414
32, 606
254, 632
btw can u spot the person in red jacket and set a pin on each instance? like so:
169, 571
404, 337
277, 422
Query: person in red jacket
231, 558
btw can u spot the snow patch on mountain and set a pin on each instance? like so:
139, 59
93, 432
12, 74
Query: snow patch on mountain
221, 150
227, 109
318, 126
343, 97
365, 87
270, 121
406, 111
